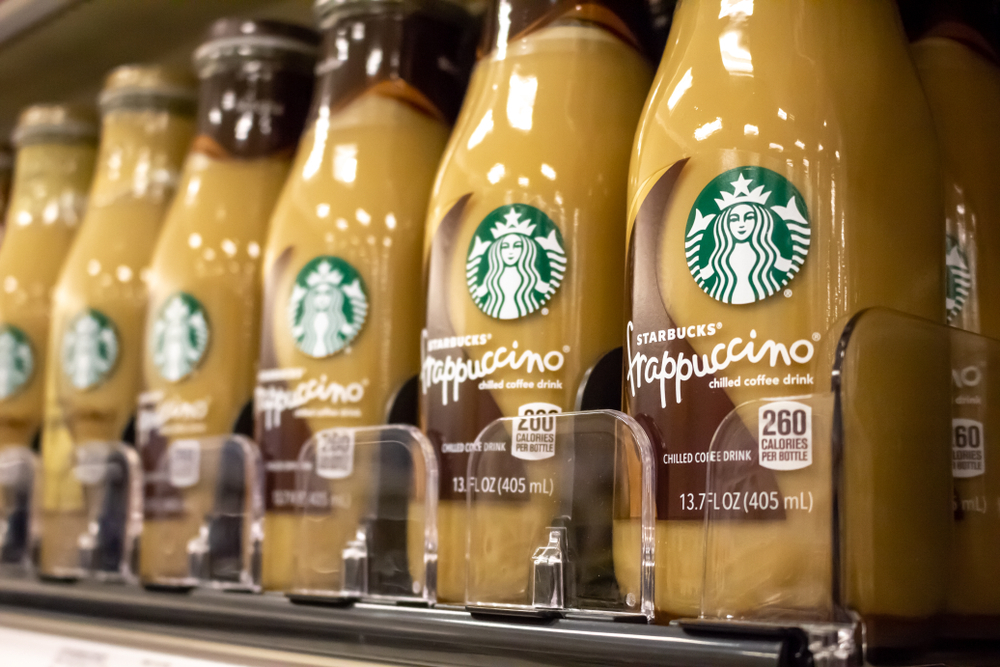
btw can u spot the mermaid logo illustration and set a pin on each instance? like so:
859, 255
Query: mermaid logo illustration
89, 349
743, 246
180, 337
959, 278
17, 361
328, 306
516, 262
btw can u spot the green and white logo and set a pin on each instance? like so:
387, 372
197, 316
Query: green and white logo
180, 336
328, 306
89, 349
748, 234
959, 278
516, 262
17, 361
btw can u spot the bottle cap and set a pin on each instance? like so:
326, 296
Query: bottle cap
56, 123
149, 85
246, 39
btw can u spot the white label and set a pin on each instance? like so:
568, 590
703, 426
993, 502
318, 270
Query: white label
35, 649
91, 464
184, 463
535, 431
968, 456
335, 453
784, 435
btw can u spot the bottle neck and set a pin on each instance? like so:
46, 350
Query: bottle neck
630, 20
252, 109
418, 56
842, 30
49, 190
141, 154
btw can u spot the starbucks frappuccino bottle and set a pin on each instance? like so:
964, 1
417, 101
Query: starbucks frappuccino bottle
960, 73
99, 308
785, 177
203, 317
343, 299
56, 146
524, 287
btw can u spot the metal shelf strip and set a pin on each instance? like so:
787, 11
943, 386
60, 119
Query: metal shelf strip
387, 633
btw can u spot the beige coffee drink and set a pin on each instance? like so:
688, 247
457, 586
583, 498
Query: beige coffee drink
774, 192
203, 316
961, 76
99, 308
524, 289
56, 146
343, 302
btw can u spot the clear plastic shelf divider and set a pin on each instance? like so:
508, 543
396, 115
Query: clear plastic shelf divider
204, 515
18, 507
873, 503
366, 521
561, 517
110, 475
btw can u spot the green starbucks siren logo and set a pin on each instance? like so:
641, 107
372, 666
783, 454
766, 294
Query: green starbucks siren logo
516, 262
328, 306
89, 349
180, 336
747, 235
959, 278
17, 360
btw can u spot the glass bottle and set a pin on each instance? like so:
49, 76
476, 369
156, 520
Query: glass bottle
99, 309
960, 72
343, 304
203, 319
55, 162
784, 178
524, 293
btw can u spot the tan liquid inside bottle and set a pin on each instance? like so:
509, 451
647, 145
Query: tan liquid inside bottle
544, 125
99, 310
55, 163
203, 320
370, 214
779, 96
963, 90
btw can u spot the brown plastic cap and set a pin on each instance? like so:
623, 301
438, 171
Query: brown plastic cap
250, 37
55, 122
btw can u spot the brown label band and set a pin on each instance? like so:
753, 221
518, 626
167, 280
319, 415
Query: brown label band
681, 433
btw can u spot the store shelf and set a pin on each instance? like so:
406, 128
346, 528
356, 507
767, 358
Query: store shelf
388, 634
61, 50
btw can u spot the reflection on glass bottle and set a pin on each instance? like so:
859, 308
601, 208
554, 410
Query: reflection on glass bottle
774, 191
204, 302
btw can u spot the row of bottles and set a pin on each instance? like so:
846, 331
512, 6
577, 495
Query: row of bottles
340, 263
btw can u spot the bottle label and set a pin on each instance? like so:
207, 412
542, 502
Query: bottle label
17, 361
317, 311
90, 347
516, 262
713, 259
327, 306
959, 278
747, 235
180, 337
502, 358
